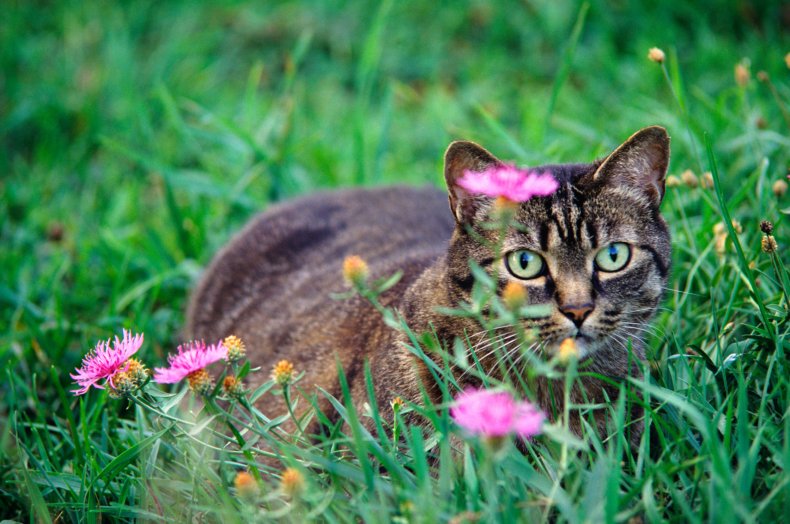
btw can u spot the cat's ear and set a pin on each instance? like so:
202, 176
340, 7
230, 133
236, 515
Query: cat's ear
639, 164
462, 157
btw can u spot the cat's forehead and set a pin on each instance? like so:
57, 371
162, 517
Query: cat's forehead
568, 173
580, 215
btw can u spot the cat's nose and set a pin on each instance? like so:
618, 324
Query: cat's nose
577, 312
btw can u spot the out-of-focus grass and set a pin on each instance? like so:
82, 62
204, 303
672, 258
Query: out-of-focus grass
136, 137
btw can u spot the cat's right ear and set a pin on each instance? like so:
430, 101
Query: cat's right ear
459, 158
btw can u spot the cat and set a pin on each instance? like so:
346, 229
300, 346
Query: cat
597, 251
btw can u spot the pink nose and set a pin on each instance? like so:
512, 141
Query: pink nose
577, 312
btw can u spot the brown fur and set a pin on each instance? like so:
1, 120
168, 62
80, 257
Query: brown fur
271, 284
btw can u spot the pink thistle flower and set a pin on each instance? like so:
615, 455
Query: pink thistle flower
495, 414
510, 182
104, 361
191, 359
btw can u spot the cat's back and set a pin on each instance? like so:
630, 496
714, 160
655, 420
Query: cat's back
287, 261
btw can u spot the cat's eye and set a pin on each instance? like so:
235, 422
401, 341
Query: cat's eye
613, 257
524, 264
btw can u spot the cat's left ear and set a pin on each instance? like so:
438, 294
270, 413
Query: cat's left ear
462, 157
640, 163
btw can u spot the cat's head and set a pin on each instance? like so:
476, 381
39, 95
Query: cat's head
597, 250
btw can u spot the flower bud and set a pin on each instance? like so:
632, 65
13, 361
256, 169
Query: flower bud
283, 372
673, 181
235, 347
232, 386
514, 295
742, 74
245, 485
656, 55
779, 188
689, 178
292, 482
355, 270
567, 350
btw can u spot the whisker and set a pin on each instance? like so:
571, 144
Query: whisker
483, 332
681, 292
651, 330
521, 357
498, 344
482, 346
617, 338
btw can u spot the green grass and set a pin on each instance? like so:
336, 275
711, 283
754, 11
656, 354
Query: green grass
136, 137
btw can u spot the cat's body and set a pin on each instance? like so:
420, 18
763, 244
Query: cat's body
271, 285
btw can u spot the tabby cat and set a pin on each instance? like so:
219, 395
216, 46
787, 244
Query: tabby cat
597, 251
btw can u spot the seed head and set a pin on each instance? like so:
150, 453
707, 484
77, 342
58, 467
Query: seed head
742, 74
689, 178
721, 229
673, 181
245, 485
55, 231
200, 382
766, 227
656, 55
123, 384
779, 188
787, 60
762, 76
720, 235
769, 244
514, 295
720, 245
283, 372
707, 180
137, 370
355, 270
292, 482
235, 347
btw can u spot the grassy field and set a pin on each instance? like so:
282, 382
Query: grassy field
136, 137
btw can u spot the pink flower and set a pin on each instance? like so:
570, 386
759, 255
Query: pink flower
104, 361
495, 414
510, 182
191, 358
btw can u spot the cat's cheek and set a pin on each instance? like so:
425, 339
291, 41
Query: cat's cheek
631, 282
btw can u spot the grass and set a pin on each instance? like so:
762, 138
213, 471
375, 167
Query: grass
137, 137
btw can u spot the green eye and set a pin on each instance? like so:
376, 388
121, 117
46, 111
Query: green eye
613, 257
524, 264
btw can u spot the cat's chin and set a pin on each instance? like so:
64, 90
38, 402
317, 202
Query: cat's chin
584, 347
